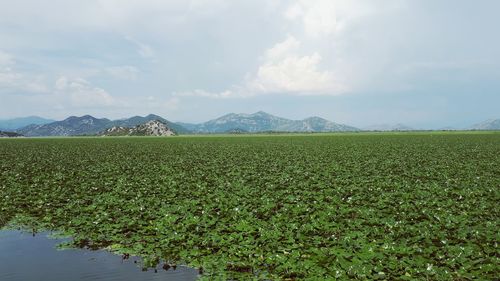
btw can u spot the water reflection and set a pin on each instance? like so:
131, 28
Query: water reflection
27, 258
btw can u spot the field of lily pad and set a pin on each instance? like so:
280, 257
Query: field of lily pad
343, 206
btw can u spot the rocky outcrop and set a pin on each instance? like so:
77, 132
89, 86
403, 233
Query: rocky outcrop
150, 128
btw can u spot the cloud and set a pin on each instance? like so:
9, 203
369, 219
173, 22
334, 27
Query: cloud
295, 74
317, 16
125, 72
283, 49
80, 93
12, 80
283, 71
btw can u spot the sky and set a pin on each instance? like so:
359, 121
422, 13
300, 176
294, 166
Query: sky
424, 63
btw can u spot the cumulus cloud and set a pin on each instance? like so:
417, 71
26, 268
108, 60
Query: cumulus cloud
283, 49
295, 74
317, 16
285, 71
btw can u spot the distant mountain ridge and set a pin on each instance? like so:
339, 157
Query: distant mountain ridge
388, 127
265, 122
229, 123
16, 123
71, 126
490, 124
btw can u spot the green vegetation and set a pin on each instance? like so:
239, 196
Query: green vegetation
368, 206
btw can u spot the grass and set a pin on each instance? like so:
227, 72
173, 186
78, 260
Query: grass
358, 206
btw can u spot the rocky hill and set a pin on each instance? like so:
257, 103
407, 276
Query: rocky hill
4, 134
150, 128
137, 120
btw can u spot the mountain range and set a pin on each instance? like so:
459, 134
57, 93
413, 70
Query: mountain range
491, 124
16, 123
229, 123
388, 127
256, 122
89, 125
265, 122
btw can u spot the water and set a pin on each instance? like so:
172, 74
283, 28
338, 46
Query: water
27, 258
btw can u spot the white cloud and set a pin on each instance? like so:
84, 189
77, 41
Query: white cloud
295, 74
13, 80
317, 16
80, 93
285, 70
283, 49
18, 82
125, 72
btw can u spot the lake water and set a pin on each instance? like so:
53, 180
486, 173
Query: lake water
27, 258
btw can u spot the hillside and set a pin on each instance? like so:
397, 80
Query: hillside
262, 122
150, 128
4, 134
388, 127
137, 120
89, 125
491, 124
71, 126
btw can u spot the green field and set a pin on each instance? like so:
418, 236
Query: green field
366, 206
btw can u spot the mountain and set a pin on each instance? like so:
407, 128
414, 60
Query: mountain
89, 125
16, 123
137, 120
262, 122
388, 127
491, 124
150, 128
4, 134
70, 126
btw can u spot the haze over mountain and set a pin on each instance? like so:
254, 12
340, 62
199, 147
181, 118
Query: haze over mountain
256, 122
230, 123
16, 123
490, 124
388, 127
262, 122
